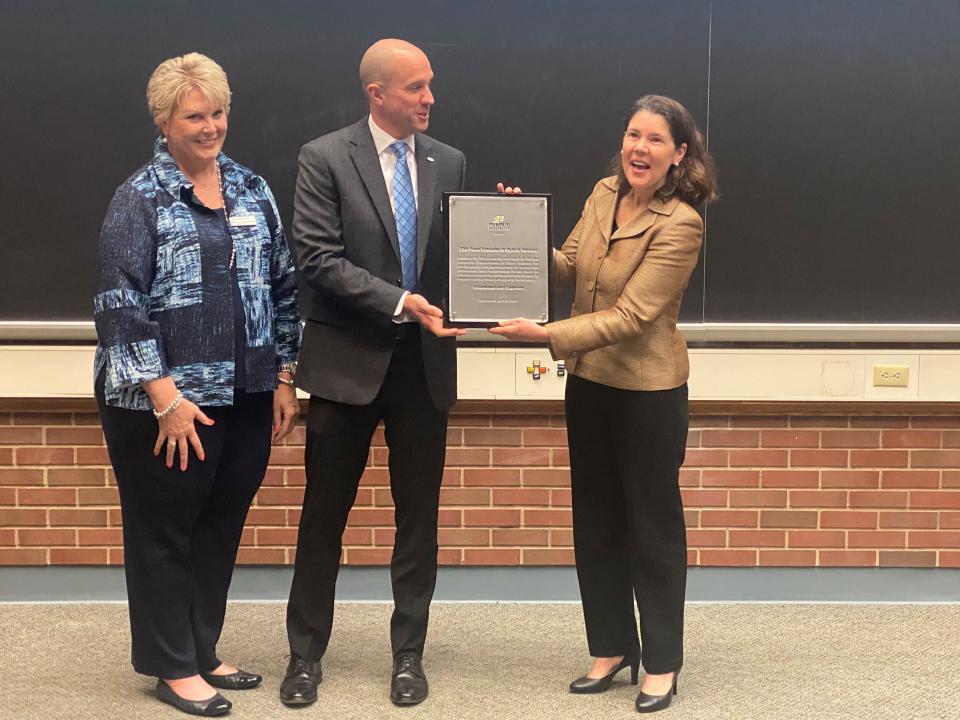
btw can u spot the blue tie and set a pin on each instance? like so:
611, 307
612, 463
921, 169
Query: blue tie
405, 210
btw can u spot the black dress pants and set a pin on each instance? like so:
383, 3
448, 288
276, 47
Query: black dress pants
338, 443
626, 449
181, 530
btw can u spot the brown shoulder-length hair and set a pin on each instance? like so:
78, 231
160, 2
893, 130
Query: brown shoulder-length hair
694, 180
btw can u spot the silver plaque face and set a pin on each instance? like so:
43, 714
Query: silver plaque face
499, 258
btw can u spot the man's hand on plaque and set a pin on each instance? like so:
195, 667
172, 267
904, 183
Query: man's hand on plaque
508, 190
430, 316
521, 329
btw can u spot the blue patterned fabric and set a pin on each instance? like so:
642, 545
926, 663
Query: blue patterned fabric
405, 211
163, 303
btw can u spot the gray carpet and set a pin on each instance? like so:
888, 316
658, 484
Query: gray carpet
513, 661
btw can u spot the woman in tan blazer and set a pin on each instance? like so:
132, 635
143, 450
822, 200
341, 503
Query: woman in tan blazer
630, 258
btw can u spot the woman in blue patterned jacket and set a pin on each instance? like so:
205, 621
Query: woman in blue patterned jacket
198, 333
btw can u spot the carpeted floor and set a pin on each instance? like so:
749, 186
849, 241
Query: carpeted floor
761, 662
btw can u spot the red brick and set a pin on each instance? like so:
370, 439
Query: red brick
23, 556
521, 456
790, 438
47, 537
98, 496
848, 558
450, 556
949, 559
712, 421
547, 518
375, 477
520, 537
730, 478
561, 537
369, 556
6, 456
22, 517
464, 496
91, 455
850, 479
949, 520
277, 536
74, 436
758, 458
459, 537
850, 438
818, 458
910, 520
21, 476
355, 536
729, 558
494, 477
86, 418
693, 438
706, 458
266, 516
878, 458
552, 437
728, 518
78, 556
935, 499
74, 517
370, 517
548, 556
879, 421
47, 496
44, 456
935, 421
454, 437
521, 496
380, 497
468, 420
876, 539
520, 420
788, 558
848, 519
280, 496
449, 517
561, 497
929, 458
697, 537
261, 556
950, 438
21, 435
283, 455
788, 519
758, 421
545, 478
933, 539
704, 498
384, 537
911, 479
492, 437
500, 517
247, 536
452, 477
816, 538
789, 478
908, 559
297, 436
42, 418
76, 476
818, 498
730, 438
380, 456
758, 538
491, 556
911, 439
8, 537
758, 498
8, 496
560, 457
819, 421
691, 517
464, 457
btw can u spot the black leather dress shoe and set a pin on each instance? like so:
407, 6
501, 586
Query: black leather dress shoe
299, 686
587, 685
652, 703
408, 686
211, 707
240, 680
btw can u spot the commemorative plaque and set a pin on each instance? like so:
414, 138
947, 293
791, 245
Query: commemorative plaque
499, 257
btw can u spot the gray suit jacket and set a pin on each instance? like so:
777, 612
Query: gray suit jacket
345, 244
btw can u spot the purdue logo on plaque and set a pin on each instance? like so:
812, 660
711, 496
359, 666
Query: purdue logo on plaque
499, 257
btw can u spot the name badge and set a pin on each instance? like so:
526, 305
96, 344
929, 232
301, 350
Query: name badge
243, 220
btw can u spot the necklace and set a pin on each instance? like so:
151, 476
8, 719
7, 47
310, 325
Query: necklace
223, 204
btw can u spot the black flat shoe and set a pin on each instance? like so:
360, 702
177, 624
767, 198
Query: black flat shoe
211, 707
588, 685
240, 680
408, 686
651, 703
299, 686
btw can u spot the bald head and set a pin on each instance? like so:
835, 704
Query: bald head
396, 78
380, 60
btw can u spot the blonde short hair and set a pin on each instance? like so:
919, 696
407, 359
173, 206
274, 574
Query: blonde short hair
176, 77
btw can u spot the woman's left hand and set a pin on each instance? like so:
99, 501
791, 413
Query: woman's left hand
285, 410
521, 329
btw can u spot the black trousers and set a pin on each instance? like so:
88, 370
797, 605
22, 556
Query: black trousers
338, 442
626, 449
181, 530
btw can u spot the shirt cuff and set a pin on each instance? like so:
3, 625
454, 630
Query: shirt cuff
398, 316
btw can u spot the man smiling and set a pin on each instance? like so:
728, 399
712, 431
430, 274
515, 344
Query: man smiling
368, 241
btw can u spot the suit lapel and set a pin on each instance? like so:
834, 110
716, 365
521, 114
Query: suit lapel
364, 156
426, 196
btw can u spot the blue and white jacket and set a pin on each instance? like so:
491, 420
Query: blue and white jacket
163, 304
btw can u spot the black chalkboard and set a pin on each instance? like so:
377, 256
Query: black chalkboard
830, 121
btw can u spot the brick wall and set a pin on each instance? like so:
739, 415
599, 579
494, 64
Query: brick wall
844, 489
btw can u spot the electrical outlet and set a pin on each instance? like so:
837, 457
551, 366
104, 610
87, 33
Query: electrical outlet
891, 375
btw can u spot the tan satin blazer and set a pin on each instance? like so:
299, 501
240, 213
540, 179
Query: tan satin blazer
622, 330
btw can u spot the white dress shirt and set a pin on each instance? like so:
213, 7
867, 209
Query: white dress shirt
382, 141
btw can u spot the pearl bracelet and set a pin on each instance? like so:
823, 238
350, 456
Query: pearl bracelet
169, 408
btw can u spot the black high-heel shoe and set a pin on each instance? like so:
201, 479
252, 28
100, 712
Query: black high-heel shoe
588, 685
211, 707
651, 703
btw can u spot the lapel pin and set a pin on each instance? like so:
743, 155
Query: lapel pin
430, 159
